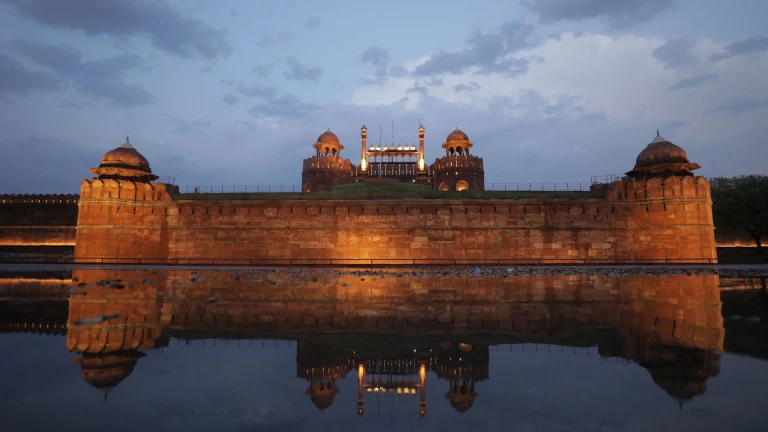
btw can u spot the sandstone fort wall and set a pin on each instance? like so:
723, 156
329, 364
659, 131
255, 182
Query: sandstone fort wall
38, 220
657, 219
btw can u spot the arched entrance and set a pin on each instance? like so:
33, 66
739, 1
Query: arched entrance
444, 187
306, 188
461, 185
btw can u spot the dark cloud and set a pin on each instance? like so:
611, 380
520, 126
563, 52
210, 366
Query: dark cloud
488, 52
740, 105
379, 58
435, 82
675, 124
693, 82
376, 56
398, 72
299, 72
165, 27
62, 169
417, 89
473, 86
188, 127
262, 91
619, 14
230, 99
285, 105
60, 58
313, 23
101, 78
280, 38
675, 53
104, 79
263, 71
15, 79
751, 45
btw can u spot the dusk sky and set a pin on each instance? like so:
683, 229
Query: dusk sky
236, 92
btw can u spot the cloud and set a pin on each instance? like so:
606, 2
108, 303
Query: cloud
751, 45
299, 72
263, 71
618, 14
60, 58
104, 79
487, 52
693, 82
101, 78
435, 82
418, 90
15, 79
466, 88
675, 53
313, 23
740, 105
230, 99
280, 38
675, 124
189, 127
285, 105
262, 91
165, 27
379, 58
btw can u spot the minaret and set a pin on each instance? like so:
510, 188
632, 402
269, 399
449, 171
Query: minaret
421, 148
364, 151
360, 381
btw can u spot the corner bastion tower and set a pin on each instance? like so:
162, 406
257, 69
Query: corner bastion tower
326, 168
456, 171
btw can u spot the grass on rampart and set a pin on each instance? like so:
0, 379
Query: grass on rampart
387, 191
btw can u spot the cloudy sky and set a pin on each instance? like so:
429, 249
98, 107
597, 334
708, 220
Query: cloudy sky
235, 92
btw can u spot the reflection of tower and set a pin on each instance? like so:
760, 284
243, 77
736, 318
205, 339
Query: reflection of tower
106, 371
462, 365
322, 366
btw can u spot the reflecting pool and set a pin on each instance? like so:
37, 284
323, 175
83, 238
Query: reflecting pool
397, 349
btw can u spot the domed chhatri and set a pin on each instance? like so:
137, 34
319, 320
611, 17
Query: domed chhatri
328, 137
662, 158
457, 144
124, 162
328, 145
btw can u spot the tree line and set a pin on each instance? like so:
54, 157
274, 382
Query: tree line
740, 206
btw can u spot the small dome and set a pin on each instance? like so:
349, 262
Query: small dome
661, 150
328, 137
125, 156
461, 406
457, 135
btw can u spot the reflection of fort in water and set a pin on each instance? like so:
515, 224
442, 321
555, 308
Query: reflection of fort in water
442, 323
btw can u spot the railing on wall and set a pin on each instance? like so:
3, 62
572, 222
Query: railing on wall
355, 261
165, 180
241, 189
537, 187
604, 179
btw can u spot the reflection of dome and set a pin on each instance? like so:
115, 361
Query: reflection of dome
328, 137
457, 135
661, 150
124, 162
322, 393
106, 371
462, 406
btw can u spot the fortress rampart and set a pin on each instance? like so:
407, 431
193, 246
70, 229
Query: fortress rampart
38, 220
639, 221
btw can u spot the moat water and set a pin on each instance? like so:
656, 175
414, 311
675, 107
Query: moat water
117, 349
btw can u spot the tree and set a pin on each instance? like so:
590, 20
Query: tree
740, 205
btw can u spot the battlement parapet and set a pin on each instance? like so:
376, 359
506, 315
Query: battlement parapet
666, 187
463, 162
13, 199
123, 190
327, 163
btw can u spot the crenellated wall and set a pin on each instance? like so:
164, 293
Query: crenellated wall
323, 173
450, 170
639, 221
38, 220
